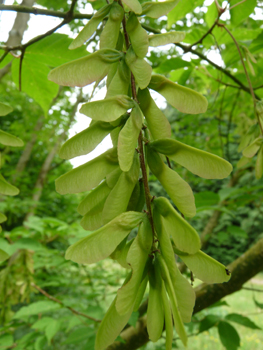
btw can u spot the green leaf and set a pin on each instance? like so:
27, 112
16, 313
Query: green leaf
208, 322
136, 258
252, 149
134, 318
178, 189
140, 293
260, 305
128, 138
79, 335
40, 343
167, 319
112, 178
184, 292
6, 340
85, 141
228, 336
138, 36
5, 109
206, 268
86, 70
90, 27
244, 321
155, 311
182, 8
108, 109
95, 197
89, 175
259, 164
206, 198
119, 84
158, 9
52, 329
101, 243
201, 163
134, 5
36, 308
110, 33
211, 14
121, 252
178, 323
184, 235
3, 218
93, 219
3, 255
118, 199
110, 327
6, 188
242, 11
157, 122
184, 99
10, 140
166, 38
141, 70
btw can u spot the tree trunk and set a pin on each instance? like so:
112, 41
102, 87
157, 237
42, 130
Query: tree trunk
243, 269
38, 189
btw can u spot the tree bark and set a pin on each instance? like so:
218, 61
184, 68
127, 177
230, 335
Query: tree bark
243, 269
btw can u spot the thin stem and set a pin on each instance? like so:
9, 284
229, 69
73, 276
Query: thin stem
43, 12
205, 35
20, 69
148, 196
50, 297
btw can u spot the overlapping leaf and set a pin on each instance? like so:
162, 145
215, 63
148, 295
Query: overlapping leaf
166, 38
138, 36
10, 140
110, 33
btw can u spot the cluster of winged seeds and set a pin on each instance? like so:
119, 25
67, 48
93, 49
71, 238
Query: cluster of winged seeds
141, 137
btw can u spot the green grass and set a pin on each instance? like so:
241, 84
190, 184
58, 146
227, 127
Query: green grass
240, 302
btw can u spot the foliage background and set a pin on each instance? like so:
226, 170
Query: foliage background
40, 228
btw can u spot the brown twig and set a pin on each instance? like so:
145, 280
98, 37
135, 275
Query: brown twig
50, 297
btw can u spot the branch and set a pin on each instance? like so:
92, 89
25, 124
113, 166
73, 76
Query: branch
50, 297
37, 11
243, 269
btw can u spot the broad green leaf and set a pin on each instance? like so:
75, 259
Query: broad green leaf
85, 141
178, 189
211, 14
52, 329
119, 84
79, 335
6, 188
112, 178
166, 38
243, 320
155, 311
201, 163
5, 109
3, 218
6, 340
228, 336
140, 293
206, 268
118, 199
158, 9
90, 27
134, 5
208, 322
86, 70
184, 235
101, 243
89, 175
259, 163
110, 327
128, 138
3, 255
178, 322
136, 258
134, 318
42, 323
182, 9
208, 198
242, 11
167, 319
184, 99
184, 292
40, 342
121, 256
157, 122
138, 36
36, 308
108, 109
252, 149
96, 196
141, 70
110, 33
137, 199
92, 220
10, 140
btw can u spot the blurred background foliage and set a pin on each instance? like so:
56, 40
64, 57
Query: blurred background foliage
42, 296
